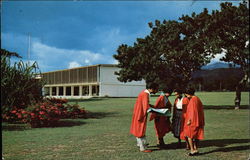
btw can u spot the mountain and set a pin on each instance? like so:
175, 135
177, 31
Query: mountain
217, 79
219, 65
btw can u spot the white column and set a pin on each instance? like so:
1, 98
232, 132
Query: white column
50, 91
90, 90
64, 90
57, 91
80, 91
72, 90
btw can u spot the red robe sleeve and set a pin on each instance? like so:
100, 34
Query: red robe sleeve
145, 107
185, 101
195, 112
139, 118
158, 104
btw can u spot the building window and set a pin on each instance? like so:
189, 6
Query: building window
53, 91
46, 91
95, 90
85, 90
68, 91
60, 91
76, 91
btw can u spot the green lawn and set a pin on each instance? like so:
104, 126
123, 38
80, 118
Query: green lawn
106, 134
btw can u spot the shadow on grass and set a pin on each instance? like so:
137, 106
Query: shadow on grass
228, 149
220, 143
15, 127
167, 146
60, 123
99, 115
66, 123
225, 107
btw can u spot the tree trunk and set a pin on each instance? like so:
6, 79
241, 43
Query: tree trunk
243, 81
199, 86
220, 86
238, 96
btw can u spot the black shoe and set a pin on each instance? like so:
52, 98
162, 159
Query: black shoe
193, 154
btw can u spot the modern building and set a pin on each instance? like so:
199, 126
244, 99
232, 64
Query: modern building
89, 81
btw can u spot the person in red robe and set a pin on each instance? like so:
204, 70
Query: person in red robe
194, 122
179, 116
139, 118
162, 123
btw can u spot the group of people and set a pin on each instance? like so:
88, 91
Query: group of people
187, 121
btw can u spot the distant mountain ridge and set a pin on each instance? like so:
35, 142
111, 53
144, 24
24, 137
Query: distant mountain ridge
217, 79
218, 65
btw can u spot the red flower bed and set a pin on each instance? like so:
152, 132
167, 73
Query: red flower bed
57, 100
46, 113
16, 115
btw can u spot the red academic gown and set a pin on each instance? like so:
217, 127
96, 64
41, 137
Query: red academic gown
162, 123
194, 113
185, 102
139, 119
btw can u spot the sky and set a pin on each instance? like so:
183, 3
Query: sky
67, 34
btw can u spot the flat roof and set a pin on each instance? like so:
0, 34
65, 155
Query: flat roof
101, 65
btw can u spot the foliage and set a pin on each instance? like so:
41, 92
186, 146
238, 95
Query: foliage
57, 100
229, 31
169, 55
18, 84
46, 113
176, 49
21, 98
16, 115
9, 54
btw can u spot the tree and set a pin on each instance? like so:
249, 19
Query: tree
19, 88
168, 56
9, 54
229, 32
176, 49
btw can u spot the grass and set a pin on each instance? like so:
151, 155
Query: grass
105, 136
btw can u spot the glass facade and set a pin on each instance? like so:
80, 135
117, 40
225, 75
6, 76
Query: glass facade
82, 81
85, 90
77, 75
95, 90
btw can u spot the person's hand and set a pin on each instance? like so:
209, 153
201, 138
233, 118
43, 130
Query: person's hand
189, 122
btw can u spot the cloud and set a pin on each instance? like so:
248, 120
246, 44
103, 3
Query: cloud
110, 38
218, 57
67, 58
74, 64
50, 58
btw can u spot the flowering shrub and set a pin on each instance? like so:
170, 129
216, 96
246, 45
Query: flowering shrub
16, 115
73, 111
18, 83
45, 113
57, 100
